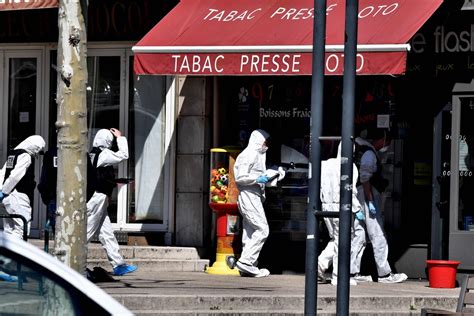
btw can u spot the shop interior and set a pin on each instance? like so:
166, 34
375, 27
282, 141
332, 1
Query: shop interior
281, 106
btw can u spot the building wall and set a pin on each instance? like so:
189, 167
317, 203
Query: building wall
192, 162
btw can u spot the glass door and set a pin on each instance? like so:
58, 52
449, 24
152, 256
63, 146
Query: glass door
151, 121
147, 120
105, 90
21, 106
114, 100
461, 237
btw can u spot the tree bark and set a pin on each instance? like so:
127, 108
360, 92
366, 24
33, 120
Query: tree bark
70, 239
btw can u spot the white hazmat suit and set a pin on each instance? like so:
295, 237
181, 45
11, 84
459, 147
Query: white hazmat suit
248, 167
98, 220
330, 197
17, 202
372, 225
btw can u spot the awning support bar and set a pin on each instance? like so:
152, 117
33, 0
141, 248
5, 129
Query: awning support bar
266, 49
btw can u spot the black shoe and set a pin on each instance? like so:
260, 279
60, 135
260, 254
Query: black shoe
99, 275
231, 262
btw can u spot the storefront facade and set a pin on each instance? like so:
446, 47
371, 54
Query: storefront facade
441, 66
174, 119
237, 103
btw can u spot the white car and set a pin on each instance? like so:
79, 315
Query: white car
46, 286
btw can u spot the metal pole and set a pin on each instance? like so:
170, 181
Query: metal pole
314, 185
436, 207
345, 217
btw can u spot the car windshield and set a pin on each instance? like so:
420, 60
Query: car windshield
28, 289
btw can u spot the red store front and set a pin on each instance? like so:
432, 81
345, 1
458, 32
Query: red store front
246, 65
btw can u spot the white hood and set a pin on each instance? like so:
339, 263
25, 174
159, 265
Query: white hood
257, 140
33, 145
363, 142
251, 162
103, 139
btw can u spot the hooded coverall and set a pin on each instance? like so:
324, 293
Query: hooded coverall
98, 220
249, 165
330, 197
17, 182
373, 223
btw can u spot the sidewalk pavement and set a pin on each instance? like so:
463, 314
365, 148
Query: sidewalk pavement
184, 283
409, 295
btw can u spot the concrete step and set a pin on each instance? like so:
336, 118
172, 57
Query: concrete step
218, 312
95, 251
264, 313
147, 258
275, 305
191, 293
156, 265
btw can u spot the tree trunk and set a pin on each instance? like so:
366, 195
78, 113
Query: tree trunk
70, 241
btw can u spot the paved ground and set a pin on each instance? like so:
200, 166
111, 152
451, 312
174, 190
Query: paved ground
182, 283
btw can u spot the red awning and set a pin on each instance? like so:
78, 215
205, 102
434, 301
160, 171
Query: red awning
270, 37
27, 4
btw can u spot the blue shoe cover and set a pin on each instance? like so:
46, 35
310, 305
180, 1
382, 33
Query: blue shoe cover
124, 269
8, 278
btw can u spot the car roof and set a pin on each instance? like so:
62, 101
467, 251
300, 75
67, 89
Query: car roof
69, 275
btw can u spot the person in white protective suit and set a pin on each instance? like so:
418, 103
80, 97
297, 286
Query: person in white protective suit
98, 222
250, 177
330, 197
17, 183
372, 224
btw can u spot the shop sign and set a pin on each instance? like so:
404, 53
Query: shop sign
445, 49
274, 37
270, 63
27, 4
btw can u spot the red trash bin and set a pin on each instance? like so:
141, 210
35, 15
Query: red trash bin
442, 273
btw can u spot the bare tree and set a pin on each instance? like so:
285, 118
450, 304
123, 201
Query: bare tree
70, 240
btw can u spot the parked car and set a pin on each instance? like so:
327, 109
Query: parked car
46, 286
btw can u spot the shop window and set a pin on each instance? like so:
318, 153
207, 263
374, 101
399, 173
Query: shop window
147, 115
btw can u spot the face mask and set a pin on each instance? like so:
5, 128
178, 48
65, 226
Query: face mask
384, 149
263, 149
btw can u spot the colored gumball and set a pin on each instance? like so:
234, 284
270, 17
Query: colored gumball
215, 198
222, 171
224, 179
219, 183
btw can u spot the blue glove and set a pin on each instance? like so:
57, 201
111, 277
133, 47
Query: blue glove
360, 216
372, 208
262, 179
2, 196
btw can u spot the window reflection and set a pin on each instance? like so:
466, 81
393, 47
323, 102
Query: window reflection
103, 104
22, 99
147, 149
